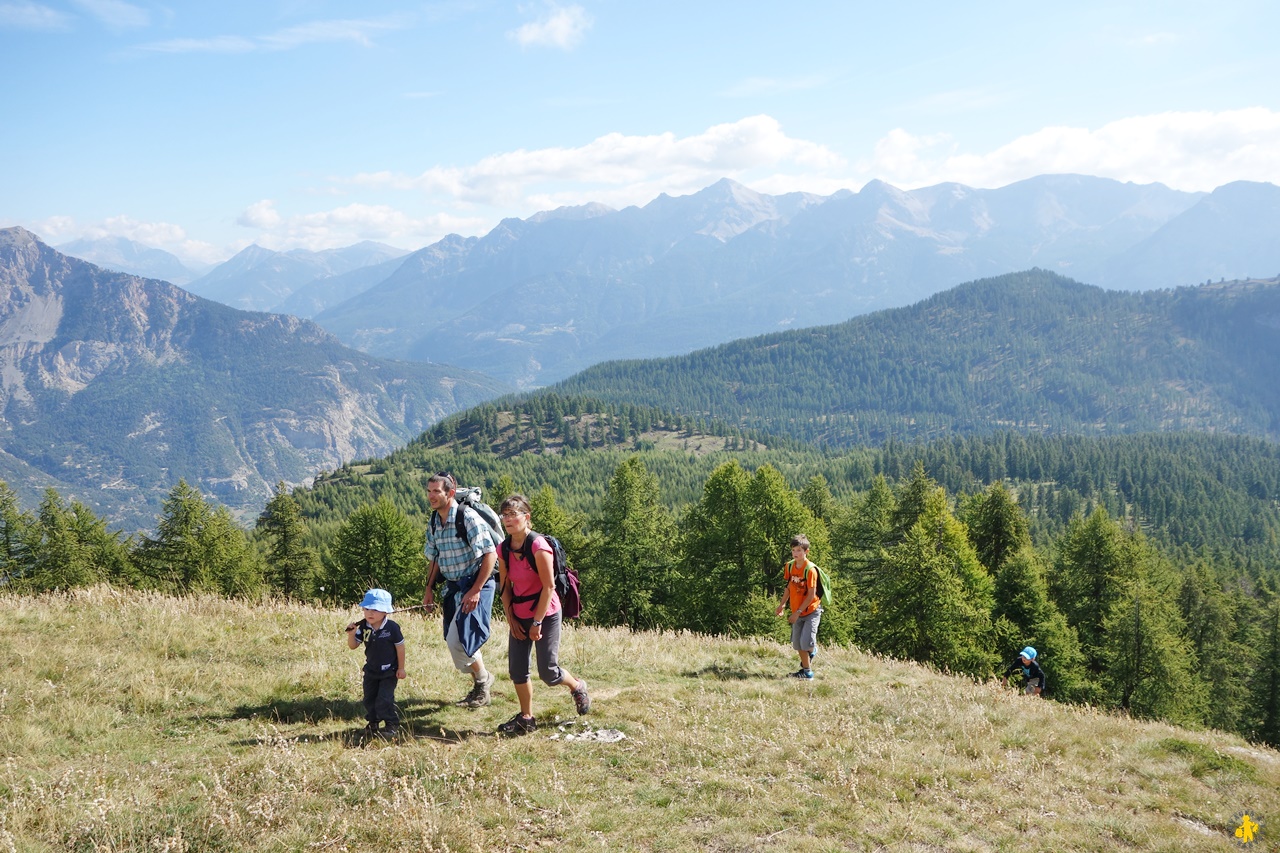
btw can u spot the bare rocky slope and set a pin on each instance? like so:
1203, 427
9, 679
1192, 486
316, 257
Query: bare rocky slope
112, 387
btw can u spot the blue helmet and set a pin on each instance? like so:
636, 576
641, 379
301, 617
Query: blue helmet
1028, 653
377, 599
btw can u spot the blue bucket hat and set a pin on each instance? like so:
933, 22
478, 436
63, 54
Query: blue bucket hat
1028, 653
377, 599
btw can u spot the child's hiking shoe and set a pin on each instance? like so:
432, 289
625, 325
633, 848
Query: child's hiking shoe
802, 673
518, 725
480, 694
581, 698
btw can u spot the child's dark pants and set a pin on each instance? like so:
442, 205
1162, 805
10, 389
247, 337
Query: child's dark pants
380, 699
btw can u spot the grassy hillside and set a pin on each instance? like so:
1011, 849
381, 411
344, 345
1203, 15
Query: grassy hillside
137, 722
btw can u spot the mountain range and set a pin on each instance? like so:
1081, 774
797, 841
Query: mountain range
538, 299
124, 255
112, 387
259, 279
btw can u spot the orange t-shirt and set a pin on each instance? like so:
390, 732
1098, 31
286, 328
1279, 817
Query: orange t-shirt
799, 582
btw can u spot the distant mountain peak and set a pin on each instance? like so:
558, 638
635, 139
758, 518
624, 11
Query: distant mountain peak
17, 236
577, 212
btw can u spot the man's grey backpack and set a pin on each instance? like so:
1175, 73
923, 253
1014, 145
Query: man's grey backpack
471, 498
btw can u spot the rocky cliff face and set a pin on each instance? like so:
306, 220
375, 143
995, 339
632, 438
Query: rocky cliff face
116, 386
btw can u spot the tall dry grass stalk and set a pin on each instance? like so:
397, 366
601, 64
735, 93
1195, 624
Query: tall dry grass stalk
131, 721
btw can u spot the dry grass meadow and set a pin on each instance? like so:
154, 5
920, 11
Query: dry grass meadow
131, 721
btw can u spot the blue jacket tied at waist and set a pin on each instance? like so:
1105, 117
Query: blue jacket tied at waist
473, 627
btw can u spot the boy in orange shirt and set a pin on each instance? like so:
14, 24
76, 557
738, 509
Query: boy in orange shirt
806, 608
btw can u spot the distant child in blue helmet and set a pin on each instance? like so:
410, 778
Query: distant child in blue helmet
383, 662
1032, 674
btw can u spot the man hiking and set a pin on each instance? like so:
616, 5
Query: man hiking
464, 556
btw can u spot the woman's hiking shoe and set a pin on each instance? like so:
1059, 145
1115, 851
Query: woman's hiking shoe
480, 693
581, 698
518, 725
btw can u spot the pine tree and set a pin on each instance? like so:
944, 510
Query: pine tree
15, 528
292, 568
997, 526
1266, 680
1149, 663
378, 546
631, 570
816, 497
932, 598
1215, 622
197, 548
1097, 566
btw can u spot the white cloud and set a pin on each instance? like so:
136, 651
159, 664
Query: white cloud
562, 27
56, 230
157, 234
618, 164
1194, 151
261, 214
360, 32
352, 223
31, 16
115, 14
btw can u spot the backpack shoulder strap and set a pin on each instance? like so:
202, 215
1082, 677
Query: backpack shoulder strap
460, 525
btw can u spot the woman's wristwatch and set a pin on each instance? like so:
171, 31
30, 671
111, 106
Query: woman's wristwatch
537, 622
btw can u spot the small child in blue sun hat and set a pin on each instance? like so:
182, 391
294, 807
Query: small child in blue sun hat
383, 662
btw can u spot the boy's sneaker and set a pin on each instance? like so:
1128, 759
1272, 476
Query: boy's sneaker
480, 694
518, 725
802, 673
581, 698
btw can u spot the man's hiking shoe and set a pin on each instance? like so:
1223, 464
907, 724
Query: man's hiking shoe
370, 730
518, 725
802, 673
389, 733
581, 698
480, 693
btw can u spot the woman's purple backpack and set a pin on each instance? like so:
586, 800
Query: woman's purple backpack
568, 587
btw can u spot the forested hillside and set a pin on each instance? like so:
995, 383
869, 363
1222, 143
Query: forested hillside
954, 553
1032, 352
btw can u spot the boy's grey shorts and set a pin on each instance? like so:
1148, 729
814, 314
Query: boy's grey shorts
804, 632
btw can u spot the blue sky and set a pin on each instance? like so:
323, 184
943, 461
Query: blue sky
203, 127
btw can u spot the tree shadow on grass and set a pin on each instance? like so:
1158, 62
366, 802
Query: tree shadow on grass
419, 720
